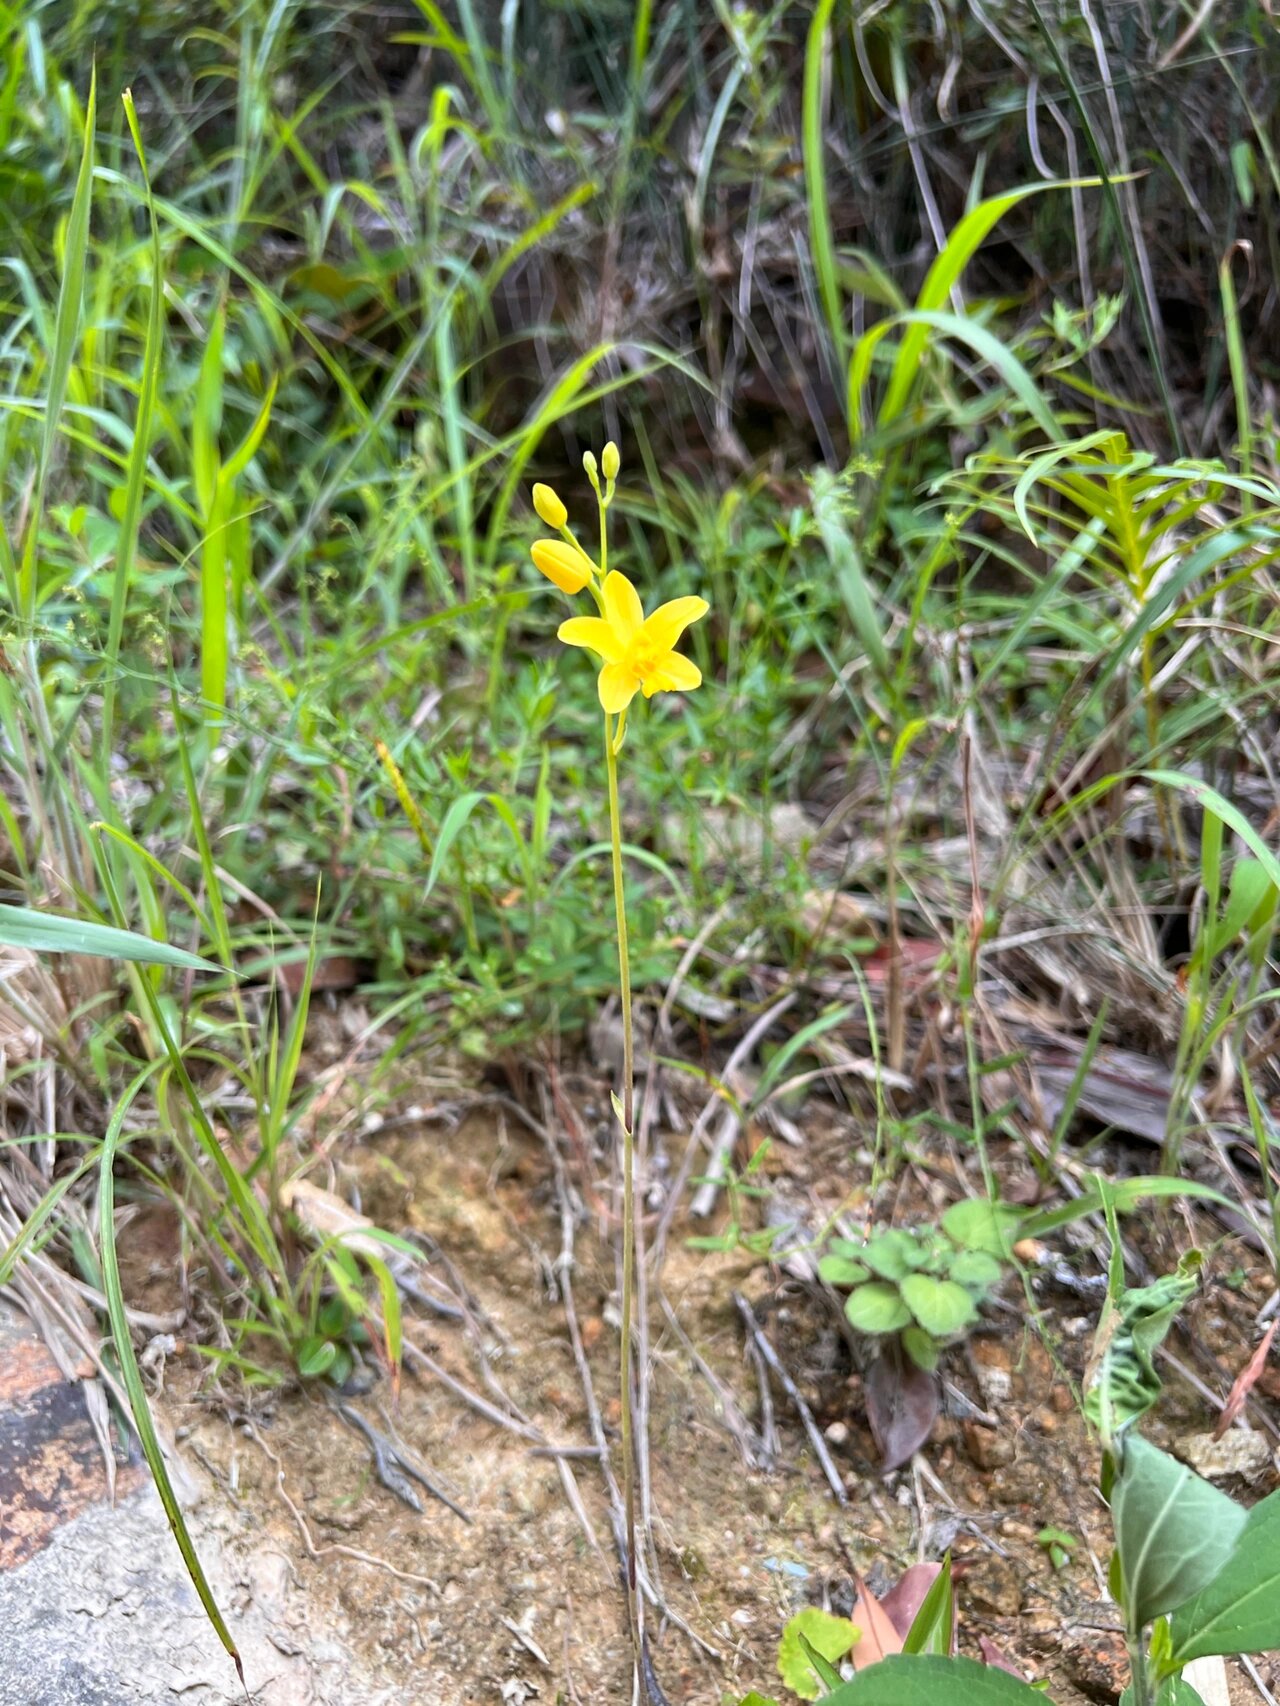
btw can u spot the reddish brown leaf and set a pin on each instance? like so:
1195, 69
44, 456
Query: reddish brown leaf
878, 1638
991, 1655
1245, 1382
907, 1595
902, 1405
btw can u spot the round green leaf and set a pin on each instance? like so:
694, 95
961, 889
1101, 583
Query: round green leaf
877, 1308
840, 1271
975, 1270
891, 1254
921, 1347
940, 1306
977, 1224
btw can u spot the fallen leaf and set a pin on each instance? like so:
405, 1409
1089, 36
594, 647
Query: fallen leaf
1244, 1382
880, 1639
326, 1216
907, 1595
902, 1405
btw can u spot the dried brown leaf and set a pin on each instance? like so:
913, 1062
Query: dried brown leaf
902, 1405
1244, 1382
879, 1638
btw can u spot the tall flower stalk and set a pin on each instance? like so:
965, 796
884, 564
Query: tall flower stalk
637, 655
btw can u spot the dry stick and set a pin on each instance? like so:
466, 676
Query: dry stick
419, 1360
766, 1350
740, 1053
316, 1553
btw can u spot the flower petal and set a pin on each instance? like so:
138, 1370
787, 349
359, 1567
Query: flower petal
672, 674
622, 607
670, 620
591, 632
617, 686
559, 562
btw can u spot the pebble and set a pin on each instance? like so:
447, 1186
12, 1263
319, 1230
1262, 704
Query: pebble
1239, 1454
987, 1448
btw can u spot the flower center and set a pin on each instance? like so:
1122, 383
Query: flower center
644, 656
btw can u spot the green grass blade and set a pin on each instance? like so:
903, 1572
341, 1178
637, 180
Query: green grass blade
821, 240
132, 1377
135, 481
49, 933
66, 330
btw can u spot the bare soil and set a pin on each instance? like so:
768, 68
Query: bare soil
521, 1600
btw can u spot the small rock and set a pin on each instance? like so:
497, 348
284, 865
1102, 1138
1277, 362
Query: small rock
837, 1434
987, 1448
1240, 1454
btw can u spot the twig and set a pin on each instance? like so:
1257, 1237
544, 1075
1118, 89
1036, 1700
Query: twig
743, 1049
792, 1391
394, 1466
316, 1553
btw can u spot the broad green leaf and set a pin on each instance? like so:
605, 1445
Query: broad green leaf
929, 1680
975, 1270
877, 1308
830, 1636
940, 1306
978, 1224
891, 1254
1239, 1610
49, 933
1174, 1531
840, 1271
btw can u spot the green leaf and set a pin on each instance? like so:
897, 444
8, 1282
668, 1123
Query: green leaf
1231, 815
1174, 1531
891, 1254
933, 1626
131, 1374
1125, 1384
840, 1271
1239, 1610
316, 1356
830, 1636
754, 1699
975, 1270
920, 1680
921, 1347
877, 1308
940, 1306
977, 1224
50, 933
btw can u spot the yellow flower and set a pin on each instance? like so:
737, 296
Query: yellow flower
549, 507
638, 651
564, 564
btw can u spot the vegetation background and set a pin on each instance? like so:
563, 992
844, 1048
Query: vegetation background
941, 342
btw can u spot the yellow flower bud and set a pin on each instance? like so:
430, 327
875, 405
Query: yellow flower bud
564, 564
549, 507
610, 461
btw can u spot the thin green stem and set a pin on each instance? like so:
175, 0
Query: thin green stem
1139, 1676
627, 1110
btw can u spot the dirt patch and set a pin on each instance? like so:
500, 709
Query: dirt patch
520, 1598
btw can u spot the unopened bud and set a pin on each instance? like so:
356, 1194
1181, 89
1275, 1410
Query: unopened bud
564, 564
610, 461
549, 507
